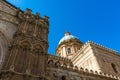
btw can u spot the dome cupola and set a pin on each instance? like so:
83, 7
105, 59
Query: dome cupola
68, 45
67, 37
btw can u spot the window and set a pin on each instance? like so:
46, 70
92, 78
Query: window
114, 68
50, 62
58, 54
63, 78
57, 64
69, 51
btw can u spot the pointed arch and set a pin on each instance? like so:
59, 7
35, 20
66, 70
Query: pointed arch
57, 64
63, 77
23, 54
50, 62
38, 49
37, 59
26, 42
4, 43
114, 68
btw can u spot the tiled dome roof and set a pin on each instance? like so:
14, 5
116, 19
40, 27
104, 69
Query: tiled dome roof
67, 37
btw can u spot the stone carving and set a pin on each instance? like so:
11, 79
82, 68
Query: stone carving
28, 57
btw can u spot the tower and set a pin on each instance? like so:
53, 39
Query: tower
28, 52
68, 46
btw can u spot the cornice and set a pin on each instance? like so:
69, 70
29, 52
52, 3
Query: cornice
85, 71
114, 52
80, 51
58, 58
69, 41
10, 5
91, 43
81, 71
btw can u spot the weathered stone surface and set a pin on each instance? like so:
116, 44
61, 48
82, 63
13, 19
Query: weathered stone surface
24, 52
8, 26
8, 29
96, 57
7, 8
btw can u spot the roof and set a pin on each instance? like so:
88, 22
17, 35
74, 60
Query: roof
67, 37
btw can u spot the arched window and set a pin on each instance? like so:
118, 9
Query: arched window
50, 62
22, 58
57, 64
114, 68
69, 51
63, 78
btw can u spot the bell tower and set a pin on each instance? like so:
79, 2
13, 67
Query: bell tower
28, 52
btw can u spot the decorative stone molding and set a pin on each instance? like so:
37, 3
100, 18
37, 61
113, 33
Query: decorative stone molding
81, 70
97, 45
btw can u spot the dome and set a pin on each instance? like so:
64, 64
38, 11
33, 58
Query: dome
67, 37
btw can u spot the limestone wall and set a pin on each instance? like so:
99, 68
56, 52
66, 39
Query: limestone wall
58, 73
8, 21
61, 73
86, 59
109, 61
96, 57
6, 7
8, 26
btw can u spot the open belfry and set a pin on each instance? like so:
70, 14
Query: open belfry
24, 51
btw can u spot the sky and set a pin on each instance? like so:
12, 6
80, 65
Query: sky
94, 20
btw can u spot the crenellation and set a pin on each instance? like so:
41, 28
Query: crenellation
87, 72
103, 47
24, 51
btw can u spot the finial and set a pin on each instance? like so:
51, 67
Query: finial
37, 15
28, 11
67, 33
46, 18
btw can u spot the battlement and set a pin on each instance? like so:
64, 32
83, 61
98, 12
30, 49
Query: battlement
83, 71
97, 45
27, 15
59, 61
101, 46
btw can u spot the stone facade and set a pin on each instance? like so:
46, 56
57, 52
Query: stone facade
24, 51
8, 26
94, 56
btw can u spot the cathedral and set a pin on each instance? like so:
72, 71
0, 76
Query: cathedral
24, 51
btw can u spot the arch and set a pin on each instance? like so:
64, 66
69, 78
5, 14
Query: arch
114, 68
63, 78
64, 65
22, 57
37, 60
37, 49
50, 62
1, 53
26, 42
17, 77
4, 43
57, 64
69, 51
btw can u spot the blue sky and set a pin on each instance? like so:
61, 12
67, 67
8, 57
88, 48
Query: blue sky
95, 20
